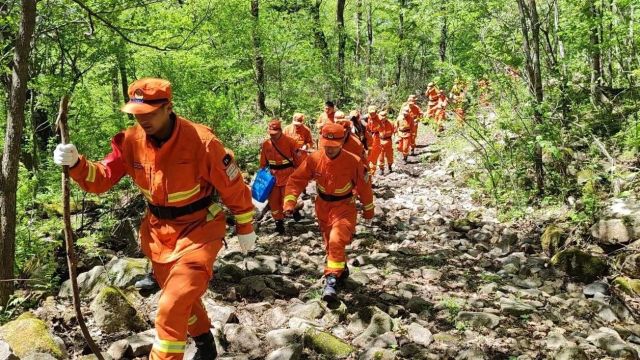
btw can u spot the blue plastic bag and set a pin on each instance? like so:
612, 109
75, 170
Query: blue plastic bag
262, 185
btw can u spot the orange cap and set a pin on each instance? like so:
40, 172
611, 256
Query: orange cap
147, 95
332, 135
275, 126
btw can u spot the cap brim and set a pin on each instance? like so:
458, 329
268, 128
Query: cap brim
140, 108
273, 132
330, 142
297, 122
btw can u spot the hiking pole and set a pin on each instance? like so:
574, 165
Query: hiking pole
61, 124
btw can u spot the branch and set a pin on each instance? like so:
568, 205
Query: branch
118, 30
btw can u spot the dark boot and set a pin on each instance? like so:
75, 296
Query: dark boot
280, 227
405, 158
381, 171
297, 216
147, 283
413, 151
330, 293
390, 168
205, 347
345, 274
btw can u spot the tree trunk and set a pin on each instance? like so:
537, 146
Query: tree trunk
595, 54
318, 34
259, 59
358, 31
369, 38
342, 42
400, 52
530, 25
13, 137
444, 30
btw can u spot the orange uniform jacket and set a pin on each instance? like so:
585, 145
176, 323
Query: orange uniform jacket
190, 165
373, 124
337, 177
415, 112
386, 131
270, 156
404, 126
300, 133
433, 96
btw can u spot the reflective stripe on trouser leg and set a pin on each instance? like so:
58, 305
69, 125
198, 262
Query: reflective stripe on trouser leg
339, 237
276, 202
184, 282
199, 321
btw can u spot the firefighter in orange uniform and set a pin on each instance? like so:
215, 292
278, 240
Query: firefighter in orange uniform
441, 110
373, 127
403, 128
177, 165
282, 154
298, 131
416, 114
327, 116
336, 173
351, 142
432, 95
386, 142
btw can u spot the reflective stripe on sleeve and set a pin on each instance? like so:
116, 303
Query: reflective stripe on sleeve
244, 218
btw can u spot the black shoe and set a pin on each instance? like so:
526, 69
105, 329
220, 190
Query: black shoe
205, 347
413, 151
147, 283
330, 293
345, 274
297, 216
406, 160
280, 227
390, 168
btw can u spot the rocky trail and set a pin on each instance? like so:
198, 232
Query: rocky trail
436, 277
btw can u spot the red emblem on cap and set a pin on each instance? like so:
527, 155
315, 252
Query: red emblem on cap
138, 94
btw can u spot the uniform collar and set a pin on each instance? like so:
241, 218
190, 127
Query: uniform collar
157, 142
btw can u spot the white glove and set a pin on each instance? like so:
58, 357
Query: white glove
65, 154
247, 242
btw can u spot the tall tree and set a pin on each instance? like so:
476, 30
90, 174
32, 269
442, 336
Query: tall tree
400, 53
13, 137
595, 52
369, 38
358, 32
342, 42
318, 34
530, 26
444, 31
258, 58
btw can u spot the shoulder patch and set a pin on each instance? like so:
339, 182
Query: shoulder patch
226, 160
233, 171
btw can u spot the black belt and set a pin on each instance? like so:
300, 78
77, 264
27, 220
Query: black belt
281, 166
386, 138
405, 130
332, 198
172, 212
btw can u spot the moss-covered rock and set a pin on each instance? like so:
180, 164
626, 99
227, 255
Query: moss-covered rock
124, 272
89, 283
551, 240
113, 312
628, 285
27, 334
327, 344
579, 264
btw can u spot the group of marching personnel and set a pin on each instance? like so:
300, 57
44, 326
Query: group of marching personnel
180, 166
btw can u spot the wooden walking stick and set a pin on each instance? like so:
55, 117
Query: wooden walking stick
61, 123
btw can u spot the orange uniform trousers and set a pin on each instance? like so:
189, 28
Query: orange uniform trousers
276, 201
337, 221
404, 146
374, 152
387, 152
180, 310
414, 134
